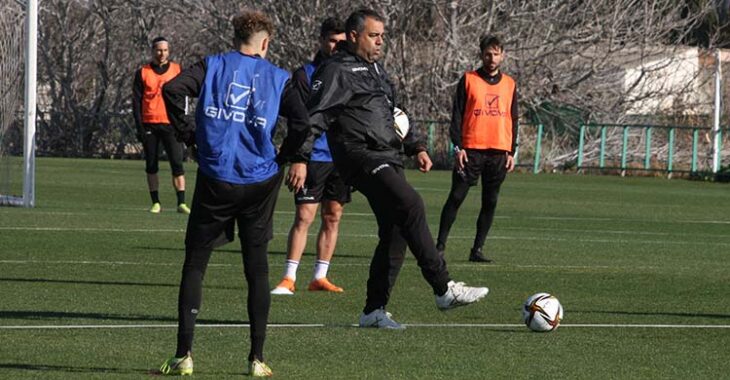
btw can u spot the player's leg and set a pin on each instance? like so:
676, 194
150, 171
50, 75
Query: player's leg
212, 216
336, 195
326, 242
409, 215
175, 153
296, 243
255, 223
493, 176
150, 147
389, 253
327, 239
384, 266
307, 202
461, 181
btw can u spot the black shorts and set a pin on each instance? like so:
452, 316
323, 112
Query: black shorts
489, 164
323, 183
156, 135
218, 206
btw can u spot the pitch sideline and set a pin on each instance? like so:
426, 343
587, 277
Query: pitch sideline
322, 325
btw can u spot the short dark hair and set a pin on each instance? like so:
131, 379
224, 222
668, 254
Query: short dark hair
331, 26
157, 40
490, 41
249, 22
356, 21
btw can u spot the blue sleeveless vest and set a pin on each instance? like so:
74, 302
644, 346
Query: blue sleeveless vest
320, 149
236, 118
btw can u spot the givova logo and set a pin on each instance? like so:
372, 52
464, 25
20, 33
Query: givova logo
491, 107
238, 96
237, 102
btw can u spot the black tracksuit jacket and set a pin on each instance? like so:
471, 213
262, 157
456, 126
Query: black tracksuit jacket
352, 100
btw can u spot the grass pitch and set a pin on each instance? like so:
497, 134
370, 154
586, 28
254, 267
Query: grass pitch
640, 265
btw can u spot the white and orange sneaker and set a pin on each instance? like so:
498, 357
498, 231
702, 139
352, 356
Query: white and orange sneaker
325, 285
285, 287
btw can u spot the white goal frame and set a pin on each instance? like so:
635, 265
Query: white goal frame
29, 107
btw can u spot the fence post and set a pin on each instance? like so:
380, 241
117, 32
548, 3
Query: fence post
431, 126
624, 143
670, 157
580, 146
647, 150
538, 145
602, 160
695, 136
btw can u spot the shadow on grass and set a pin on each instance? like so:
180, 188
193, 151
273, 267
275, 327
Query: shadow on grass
62, 315
97, 370
113, 283
654, 314
63, 368
271, 253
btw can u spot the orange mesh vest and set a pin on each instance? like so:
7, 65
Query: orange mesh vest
487, 122
153, 107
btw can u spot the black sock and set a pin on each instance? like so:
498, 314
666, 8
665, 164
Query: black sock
180, 197
155, 195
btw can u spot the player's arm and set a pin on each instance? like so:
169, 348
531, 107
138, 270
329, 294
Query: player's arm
292, 150
515, 113
458, 108
300, 82
329, 93
297, 120
137, 90
187, 84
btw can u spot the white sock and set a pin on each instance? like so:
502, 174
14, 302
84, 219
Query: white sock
320, 269
290, 269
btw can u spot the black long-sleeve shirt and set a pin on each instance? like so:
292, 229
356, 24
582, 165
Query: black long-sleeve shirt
459, 107
138, 91
189, 83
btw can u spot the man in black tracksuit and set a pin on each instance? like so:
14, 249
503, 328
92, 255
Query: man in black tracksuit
353, 100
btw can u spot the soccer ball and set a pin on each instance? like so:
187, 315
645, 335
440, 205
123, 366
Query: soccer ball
401, 124
542, 312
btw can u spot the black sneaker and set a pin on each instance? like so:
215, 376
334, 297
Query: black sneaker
477, 256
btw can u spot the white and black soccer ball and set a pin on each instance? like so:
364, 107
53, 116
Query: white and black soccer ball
542, 312
401, 124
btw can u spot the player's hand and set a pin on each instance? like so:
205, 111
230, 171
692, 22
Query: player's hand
424, 162
510, 165
461, 159
296, 176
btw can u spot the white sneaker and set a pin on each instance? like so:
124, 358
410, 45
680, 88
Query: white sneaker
381, 319
458, 294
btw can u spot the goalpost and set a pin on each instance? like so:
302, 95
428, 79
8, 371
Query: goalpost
11, 49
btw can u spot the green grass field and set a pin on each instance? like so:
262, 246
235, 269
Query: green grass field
640, 265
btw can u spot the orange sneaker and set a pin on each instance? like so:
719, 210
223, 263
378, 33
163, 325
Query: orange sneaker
324, 284
286, 286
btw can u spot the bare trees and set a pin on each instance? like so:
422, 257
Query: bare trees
569, 56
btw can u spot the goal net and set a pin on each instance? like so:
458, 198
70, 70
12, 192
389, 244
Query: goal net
16, 161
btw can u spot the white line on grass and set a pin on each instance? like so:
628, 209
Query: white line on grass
177, 264
550, 218
322, 325
520, 238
